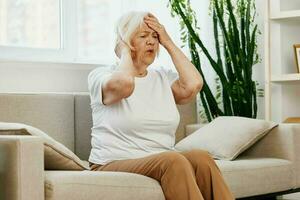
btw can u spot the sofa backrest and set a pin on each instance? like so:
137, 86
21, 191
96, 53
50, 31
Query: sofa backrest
54, 114
67, 117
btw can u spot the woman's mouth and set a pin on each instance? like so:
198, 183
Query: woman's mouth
150, 51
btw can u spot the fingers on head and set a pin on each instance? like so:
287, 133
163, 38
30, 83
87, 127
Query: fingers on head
150, 15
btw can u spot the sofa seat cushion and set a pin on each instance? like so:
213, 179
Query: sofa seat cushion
91, 185
248, 176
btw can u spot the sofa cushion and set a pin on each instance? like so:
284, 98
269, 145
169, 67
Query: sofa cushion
248, 176
56, 155
245, 177
83, 125
226, 137
91, 185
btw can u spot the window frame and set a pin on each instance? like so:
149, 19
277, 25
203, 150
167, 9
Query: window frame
69, 35
68, 51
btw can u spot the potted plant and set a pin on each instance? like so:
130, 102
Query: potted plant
235, 35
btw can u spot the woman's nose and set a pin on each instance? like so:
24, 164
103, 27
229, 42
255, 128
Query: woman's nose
149, 42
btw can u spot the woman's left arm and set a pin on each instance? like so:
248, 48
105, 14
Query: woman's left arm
190, 81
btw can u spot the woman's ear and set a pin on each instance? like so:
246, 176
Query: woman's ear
132, 48
131, 45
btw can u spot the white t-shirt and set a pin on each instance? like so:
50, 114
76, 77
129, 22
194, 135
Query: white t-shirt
137, 126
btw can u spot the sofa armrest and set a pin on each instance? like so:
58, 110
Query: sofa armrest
281, 142
21, 167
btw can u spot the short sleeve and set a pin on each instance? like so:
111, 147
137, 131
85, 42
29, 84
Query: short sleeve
171, 74
95, 80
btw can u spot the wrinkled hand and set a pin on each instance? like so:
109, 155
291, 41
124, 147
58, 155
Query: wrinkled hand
153, 23
122, 48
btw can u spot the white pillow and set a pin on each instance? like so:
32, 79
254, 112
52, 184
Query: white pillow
56, 155
227, 136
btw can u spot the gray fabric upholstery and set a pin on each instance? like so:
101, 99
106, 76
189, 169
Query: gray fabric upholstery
53, 114
97, 185
245, 177
282, 142
271, 165
188, 115
67, 117
248, 176
83, 125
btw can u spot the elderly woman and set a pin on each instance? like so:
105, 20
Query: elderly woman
135, 115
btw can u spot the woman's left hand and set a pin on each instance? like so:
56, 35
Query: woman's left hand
154, 24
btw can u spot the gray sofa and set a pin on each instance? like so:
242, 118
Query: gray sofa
269, 168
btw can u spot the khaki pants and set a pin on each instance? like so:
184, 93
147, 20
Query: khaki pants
190, 175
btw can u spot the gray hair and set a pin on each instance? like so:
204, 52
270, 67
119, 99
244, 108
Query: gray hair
127, 25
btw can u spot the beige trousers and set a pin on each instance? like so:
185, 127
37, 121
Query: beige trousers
190, 175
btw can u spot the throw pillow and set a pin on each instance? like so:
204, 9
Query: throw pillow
56, 155
226, 137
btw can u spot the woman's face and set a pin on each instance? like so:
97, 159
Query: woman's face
145, 43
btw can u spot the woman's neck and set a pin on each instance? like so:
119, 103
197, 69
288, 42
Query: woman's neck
141, 69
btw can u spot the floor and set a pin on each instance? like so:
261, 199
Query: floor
294, 196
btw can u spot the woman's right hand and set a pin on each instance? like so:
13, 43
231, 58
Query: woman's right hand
122, 48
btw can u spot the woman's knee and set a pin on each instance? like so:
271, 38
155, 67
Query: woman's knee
198, 155
175, 159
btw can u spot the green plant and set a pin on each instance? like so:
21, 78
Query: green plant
235, 34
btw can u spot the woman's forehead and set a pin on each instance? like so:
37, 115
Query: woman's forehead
144, 28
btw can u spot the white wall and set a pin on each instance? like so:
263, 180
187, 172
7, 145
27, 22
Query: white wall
49, 77
43, 77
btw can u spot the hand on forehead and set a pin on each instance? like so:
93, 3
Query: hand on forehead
151, 17
145, 27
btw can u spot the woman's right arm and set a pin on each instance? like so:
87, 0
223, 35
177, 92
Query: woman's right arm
121, 83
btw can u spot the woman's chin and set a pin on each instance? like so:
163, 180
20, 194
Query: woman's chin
149, 60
